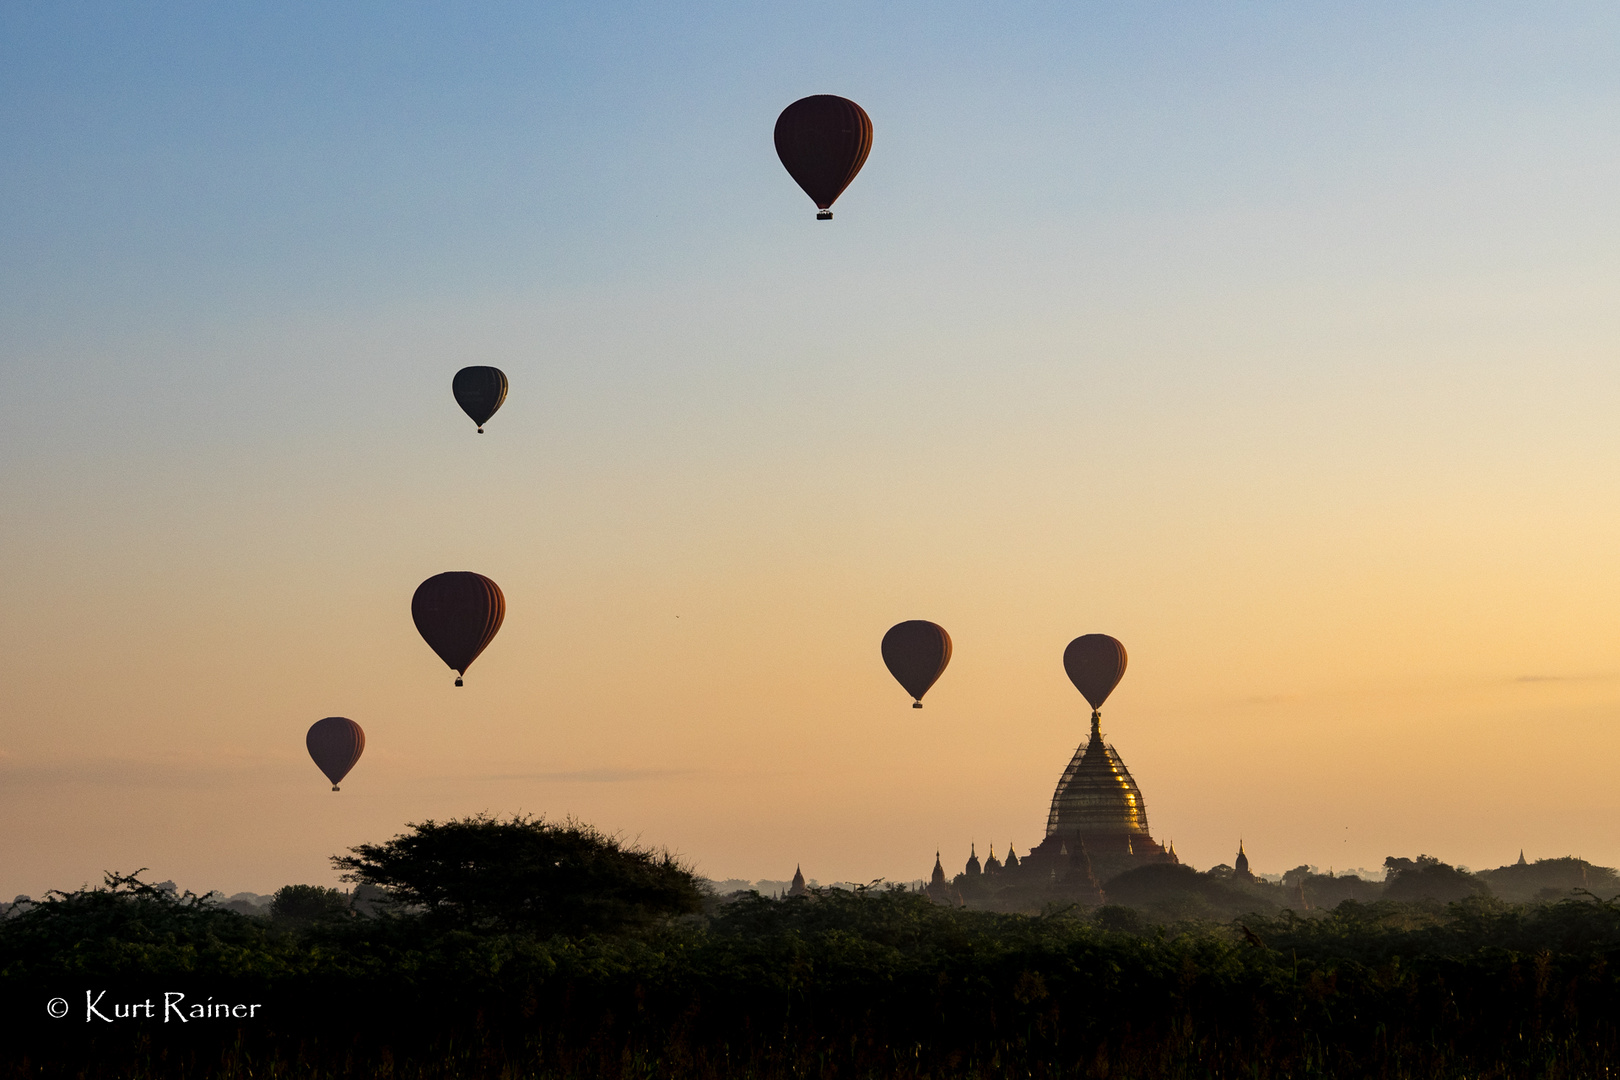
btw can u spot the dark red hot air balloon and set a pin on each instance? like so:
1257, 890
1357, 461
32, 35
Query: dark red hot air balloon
457, 614
916, 653
823, 141
1095, 663
335, 743
479, 391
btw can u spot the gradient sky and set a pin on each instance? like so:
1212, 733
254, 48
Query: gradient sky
1277, 340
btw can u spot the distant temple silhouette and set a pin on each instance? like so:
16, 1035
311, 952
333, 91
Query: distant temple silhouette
1097, 829
1240, 865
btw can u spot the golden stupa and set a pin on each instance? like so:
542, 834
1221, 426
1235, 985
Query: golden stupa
1097, 801
1098, 817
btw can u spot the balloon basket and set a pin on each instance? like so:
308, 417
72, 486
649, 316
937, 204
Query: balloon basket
334, 787
480, 431
458, 681
916, 704
825, 215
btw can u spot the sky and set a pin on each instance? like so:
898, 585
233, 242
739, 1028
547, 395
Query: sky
1278, 341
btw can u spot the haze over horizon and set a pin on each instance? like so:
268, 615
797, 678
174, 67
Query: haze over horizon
1278, 343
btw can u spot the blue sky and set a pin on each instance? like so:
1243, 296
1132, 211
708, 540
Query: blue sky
247, 155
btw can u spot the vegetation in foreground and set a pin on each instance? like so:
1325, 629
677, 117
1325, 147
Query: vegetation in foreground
542, 979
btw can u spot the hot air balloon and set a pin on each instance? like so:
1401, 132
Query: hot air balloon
823, 141
457, 614
1095, 663
335, 743
916, 653
479, 391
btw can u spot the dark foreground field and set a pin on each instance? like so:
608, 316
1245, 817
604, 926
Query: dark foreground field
874, 984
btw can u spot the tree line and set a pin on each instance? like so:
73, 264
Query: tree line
521, 947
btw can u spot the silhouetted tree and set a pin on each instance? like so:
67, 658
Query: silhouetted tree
94, 928
307, 905
1427, 878
1177, 891
1550, 879
525, 874
1327, 890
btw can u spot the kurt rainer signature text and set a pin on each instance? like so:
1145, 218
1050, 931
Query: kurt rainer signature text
173, 1007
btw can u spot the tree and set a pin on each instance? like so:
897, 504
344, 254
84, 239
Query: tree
307, 905
1550, 879
525, 874
1296, 877
1429, 879
1169, 892
124, 926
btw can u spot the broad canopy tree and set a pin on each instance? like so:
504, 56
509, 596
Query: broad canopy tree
525, 874
1428, 878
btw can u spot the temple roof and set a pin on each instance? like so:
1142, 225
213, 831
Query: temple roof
1097, 794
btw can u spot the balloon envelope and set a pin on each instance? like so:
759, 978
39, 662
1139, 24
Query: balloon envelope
457, 614
335, 743
823, 141
479, 391
1095, 663
916, 653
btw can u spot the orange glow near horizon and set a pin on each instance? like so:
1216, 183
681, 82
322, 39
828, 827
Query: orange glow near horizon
1280, 347
1325, 660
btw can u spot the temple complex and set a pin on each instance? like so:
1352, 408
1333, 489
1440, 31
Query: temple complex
1097, 829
